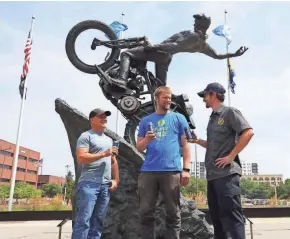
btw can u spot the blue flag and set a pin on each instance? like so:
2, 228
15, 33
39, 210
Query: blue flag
223, 31
118, 27
232, 74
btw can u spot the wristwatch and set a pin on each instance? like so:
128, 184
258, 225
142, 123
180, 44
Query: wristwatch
186, 170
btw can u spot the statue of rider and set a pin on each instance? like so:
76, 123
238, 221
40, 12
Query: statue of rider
161, 54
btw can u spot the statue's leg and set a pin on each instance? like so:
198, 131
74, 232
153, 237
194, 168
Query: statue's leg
124, 66
161, 59
124, 70
161, 66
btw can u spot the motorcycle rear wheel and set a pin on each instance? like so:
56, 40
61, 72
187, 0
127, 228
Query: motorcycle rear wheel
70, 46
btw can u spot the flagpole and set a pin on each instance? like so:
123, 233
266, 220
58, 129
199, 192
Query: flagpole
196, 184
227, 62
16, 153
118, 112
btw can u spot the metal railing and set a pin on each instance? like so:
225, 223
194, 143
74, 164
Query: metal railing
60, 227
251, 226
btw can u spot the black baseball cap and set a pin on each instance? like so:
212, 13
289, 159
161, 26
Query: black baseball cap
212, 87
99, 111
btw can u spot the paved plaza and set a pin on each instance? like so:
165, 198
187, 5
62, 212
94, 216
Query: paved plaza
264, 228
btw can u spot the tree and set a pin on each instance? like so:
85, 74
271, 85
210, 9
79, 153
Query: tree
68, 186
261, 191
20, 191
51, 190
251, 189
69, 176
194, 186
25, 191
247, 186
283, 190
4, 193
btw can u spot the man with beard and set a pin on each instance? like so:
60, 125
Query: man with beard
228, 133
162, 169
161, 54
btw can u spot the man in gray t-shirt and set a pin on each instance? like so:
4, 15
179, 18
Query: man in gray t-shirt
97, 156
228, 133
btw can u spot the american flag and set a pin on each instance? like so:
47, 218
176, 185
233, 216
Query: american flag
25, 69
38, 163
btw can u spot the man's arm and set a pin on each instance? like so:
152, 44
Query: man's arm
195, 140
244, 139
239, 125
141, 144
83, 155
201, 142
186, 152
115, 169
142, 141
209, 51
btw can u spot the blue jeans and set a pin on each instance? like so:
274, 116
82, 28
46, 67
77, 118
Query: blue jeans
92, 201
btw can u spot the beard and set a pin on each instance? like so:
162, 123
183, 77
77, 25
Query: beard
165, 107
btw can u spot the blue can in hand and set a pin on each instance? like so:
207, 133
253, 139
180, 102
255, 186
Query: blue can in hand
151, 127
116, 143
188, 133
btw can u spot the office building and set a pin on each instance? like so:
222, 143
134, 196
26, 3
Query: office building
200, 169
249, 168
272, 179
27, 167
48, 179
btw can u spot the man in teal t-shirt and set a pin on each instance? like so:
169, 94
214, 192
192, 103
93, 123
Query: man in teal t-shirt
162, 170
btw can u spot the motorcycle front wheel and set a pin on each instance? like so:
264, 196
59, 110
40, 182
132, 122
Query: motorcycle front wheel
132, 126
71, 51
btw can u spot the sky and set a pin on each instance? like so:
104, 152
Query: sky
262, 73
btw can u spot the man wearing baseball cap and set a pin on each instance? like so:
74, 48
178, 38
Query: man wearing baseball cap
97, 156
228, 133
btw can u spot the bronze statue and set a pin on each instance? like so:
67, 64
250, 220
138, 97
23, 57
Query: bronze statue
184, 41
123, 81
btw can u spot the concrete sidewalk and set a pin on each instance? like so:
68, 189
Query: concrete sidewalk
264, 228
269, 228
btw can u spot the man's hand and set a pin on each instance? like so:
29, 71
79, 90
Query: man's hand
184, 180
222, 162
150, 136
241, 51
194, 137
114, 185
111, 151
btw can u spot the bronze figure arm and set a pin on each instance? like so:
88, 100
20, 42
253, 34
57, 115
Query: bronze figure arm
209, 51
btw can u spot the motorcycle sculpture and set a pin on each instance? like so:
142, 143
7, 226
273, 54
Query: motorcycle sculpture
128, 101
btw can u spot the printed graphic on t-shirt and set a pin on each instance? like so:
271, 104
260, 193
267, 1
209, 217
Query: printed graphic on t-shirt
162, 129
